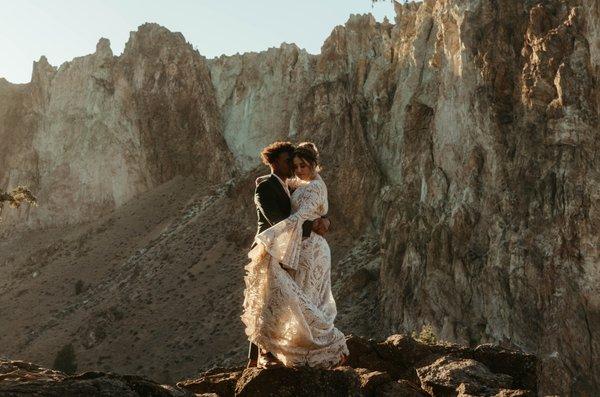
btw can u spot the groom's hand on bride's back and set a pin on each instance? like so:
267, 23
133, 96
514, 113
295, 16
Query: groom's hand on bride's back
321, 226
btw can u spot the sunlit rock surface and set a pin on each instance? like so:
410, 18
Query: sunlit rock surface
98, 130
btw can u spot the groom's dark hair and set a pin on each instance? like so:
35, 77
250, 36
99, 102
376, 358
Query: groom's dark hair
271, 152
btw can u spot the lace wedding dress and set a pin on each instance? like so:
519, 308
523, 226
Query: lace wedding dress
292, 316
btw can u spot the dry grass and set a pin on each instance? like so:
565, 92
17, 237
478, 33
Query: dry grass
426, 335
18, 196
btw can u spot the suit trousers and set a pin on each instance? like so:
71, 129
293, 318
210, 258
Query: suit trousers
252, 352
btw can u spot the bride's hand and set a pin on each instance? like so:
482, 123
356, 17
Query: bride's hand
321, 226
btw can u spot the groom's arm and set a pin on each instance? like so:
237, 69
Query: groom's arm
267, 202
307, 227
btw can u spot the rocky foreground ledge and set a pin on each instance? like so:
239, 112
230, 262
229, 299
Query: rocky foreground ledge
398, 366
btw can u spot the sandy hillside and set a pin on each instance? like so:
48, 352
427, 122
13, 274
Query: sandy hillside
156, 283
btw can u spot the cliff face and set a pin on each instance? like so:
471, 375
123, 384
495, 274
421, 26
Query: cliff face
490, 235
466, 134
100, 129
460, 147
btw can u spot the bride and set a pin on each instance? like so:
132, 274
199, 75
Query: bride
289, 309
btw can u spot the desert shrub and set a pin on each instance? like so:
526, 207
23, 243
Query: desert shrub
426, 335
18, 196
65, 360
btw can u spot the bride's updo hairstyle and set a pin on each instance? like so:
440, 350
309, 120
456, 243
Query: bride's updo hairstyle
308, 152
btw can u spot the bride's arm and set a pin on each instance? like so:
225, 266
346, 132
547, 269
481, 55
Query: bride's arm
283, 240
313, 202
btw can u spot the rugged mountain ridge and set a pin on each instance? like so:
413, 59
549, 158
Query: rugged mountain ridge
461, 153
100, 129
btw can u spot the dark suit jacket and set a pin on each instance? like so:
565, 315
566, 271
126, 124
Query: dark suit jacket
273, 205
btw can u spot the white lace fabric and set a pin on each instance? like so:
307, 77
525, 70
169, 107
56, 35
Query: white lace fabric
293, 316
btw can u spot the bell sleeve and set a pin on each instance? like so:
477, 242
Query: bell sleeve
284, 239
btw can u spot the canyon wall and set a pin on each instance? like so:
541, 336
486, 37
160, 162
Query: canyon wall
463, 138
97, 131
490, 234
467, 135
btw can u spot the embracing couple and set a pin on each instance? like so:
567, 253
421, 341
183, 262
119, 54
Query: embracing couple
289, 309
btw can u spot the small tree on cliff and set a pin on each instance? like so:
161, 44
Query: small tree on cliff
16, 197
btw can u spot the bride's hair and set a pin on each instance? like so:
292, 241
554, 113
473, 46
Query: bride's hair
308, 151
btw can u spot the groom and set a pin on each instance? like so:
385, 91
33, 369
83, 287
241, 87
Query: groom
272, 199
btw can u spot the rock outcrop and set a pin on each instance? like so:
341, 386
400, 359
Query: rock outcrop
460, 146
398, 366
19, 378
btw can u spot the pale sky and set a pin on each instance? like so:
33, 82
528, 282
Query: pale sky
64, 29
